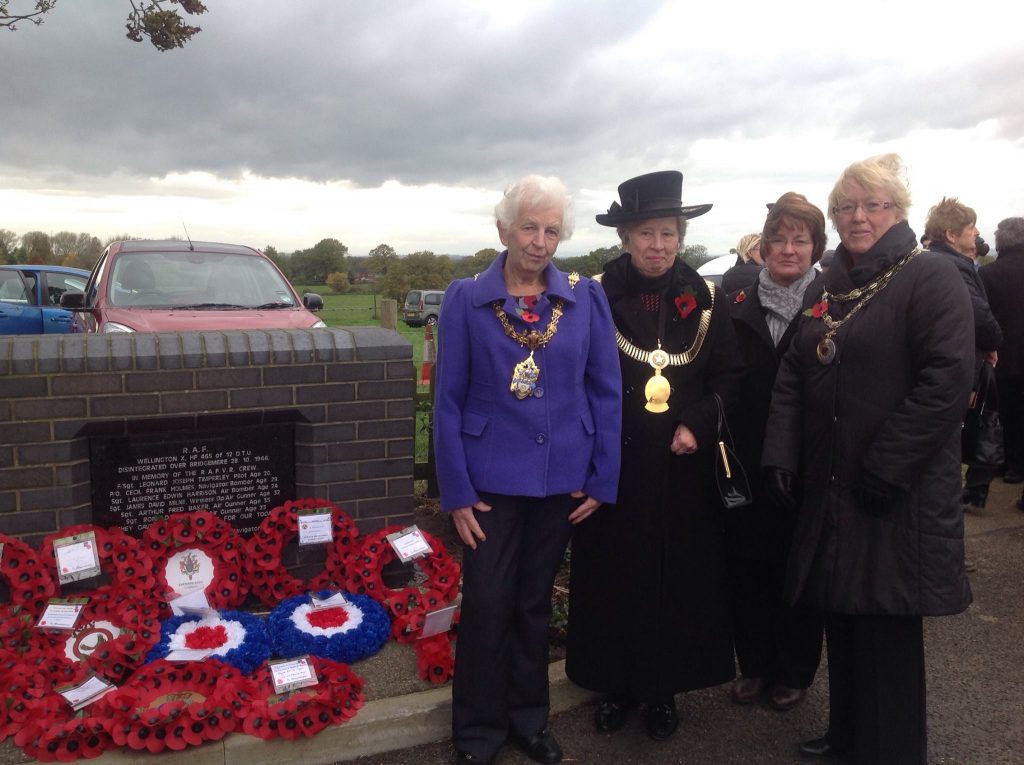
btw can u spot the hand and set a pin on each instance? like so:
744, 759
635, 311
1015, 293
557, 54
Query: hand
467, 526
780, 488
683, 442
586, 507
992, 357
874, 495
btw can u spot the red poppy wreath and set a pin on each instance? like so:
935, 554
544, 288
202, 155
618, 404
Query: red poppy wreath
269, 579
172, 705
53, 731
111, 638
335, 699
410, 605
198, 551
121, 556
30, 582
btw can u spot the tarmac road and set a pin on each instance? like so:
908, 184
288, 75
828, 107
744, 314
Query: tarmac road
975, 685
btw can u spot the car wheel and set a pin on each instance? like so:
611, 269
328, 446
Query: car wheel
432, 321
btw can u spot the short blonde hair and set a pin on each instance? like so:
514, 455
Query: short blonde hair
746, 244
884, 172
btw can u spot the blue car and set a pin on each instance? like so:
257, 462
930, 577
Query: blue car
30, 298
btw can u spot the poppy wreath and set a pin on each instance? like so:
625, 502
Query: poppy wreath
335, 699
410, 606
269, 579
30, 582
200, 534
16, 623
53, 731
236, 638
121, 556
435, 660
24, 681
440, 568
173, 705
112, 638
345, 633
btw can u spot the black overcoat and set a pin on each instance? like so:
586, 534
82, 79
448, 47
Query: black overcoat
1004, 284
890, 403
649, 596
759, 531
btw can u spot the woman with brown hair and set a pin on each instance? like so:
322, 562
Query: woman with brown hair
778, 646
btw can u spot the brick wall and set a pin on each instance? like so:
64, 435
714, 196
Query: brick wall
348, 391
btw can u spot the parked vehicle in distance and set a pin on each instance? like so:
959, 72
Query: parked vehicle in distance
715, 268
422, 307
30, 298
178, 286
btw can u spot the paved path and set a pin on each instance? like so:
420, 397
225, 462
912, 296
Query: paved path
975, 685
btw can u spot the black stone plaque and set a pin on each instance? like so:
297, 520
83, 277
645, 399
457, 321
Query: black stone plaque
238, 474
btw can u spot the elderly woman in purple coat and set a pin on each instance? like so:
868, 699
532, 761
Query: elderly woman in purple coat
526, 434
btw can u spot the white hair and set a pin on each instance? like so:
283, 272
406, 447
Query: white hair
536, 191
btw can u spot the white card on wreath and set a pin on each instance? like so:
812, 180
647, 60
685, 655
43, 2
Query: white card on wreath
436, 622
189, 654
192, 604
86, 693
337, 599
77, 557
61, 614
409, 544
189, 570
315, 528
289, 674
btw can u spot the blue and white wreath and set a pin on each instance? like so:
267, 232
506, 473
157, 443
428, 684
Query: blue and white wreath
351, 629
234, 637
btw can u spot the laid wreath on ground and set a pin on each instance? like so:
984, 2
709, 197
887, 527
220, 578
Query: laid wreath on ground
267, 576
344, 632
335, 699
16, 623
53, 731
29, 580
237, 638
122, 557
111, 638
198, 550
172, 705
410, 605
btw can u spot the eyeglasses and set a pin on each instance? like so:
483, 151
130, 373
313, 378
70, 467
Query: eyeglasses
846, 209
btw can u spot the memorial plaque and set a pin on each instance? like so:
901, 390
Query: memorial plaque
238, 474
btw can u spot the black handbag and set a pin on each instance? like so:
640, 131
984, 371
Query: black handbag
981, 439
733, 487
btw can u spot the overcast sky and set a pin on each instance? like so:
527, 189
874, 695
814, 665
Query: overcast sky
282, 123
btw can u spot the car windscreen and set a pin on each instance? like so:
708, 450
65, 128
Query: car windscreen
200, 280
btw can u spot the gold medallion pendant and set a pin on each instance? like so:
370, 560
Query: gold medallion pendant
657, 390
524, 377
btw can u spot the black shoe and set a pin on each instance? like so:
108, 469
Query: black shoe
1012, 476
662, 720
541, 747
819, 747
612, 712
461, 756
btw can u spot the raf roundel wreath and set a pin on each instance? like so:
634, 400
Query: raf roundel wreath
234, 637
346, 633
267, 576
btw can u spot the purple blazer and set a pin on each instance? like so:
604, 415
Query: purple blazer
565, 437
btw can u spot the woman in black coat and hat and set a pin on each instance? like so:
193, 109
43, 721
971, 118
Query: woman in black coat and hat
863, 440
649, 595
778, 646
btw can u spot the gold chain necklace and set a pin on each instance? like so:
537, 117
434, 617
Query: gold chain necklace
657, 390
826, 349
526, 373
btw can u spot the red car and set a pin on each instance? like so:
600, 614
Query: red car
178, 286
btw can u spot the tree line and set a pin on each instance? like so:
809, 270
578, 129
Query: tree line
328, 262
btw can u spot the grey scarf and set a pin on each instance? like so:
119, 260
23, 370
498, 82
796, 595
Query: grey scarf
780, 303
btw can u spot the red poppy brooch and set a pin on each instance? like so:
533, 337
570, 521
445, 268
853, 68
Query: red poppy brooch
686, 302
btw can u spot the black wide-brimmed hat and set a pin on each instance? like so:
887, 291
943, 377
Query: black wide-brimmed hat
654, 195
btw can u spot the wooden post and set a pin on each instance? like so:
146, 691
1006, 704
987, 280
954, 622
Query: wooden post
389, 314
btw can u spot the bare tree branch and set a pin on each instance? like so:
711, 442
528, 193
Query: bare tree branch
9, 20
